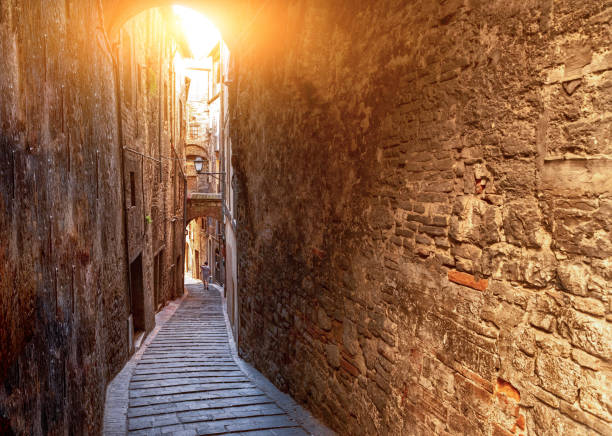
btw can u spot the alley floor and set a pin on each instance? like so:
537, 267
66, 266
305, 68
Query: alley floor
189, 381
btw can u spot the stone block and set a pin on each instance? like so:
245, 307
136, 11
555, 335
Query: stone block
332, 351
589, 305
577, 177
323, 320
474, 221
558, 376
573, 277
597, 402
587, 333
521, 223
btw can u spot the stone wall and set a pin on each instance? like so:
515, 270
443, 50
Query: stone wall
151, 91
424, 213
63, 290
64, 295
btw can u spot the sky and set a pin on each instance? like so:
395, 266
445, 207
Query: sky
201, 34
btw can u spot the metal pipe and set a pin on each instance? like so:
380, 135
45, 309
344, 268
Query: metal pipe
131, 150
222, 149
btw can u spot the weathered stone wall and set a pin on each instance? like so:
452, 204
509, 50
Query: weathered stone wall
424, 213
150, 91
64, 300
63, 292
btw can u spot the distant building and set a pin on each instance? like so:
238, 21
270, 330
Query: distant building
152, 99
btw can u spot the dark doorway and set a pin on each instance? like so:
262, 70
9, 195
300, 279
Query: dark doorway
157, 278
138, 316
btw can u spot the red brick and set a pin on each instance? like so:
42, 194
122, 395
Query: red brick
502, 387
349, 367
468, 280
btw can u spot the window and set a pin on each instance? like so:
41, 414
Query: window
194, 130
132, 189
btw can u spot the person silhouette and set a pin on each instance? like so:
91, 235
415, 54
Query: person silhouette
205, 274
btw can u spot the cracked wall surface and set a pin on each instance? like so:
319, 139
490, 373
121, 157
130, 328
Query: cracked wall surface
424, 213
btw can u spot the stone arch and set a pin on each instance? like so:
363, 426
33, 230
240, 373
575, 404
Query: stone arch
207, 206
196, 150
229, 16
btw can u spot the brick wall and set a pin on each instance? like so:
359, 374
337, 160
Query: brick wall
424, 213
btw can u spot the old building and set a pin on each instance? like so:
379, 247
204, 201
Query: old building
226, 261
413, 207
153, 107
203, 159
197, 163
92, 205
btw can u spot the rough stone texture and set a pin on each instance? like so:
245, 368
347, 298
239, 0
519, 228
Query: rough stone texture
64, 298
382, 148
376, 146
63, 290
153, 94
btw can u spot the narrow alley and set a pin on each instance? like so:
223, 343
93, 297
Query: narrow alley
188, 382
403, 210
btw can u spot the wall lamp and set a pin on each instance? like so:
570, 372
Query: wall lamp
198, 163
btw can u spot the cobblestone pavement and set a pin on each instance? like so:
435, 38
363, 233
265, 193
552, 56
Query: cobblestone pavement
187, 382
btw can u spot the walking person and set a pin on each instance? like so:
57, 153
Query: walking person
205, 274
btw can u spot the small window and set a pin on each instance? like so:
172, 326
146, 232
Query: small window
132, 188
194, 131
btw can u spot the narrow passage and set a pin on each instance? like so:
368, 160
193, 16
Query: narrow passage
187, 381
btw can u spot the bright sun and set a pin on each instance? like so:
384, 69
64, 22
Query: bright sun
201, 34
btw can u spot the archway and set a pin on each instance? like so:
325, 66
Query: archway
229, 17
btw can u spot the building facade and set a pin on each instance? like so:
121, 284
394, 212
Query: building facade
203, 178
153, 129
91, 205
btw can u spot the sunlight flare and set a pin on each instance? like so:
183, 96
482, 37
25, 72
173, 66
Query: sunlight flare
201, 33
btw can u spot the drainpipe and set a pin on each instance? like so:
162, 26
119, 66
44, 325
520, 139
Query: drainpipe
223, 169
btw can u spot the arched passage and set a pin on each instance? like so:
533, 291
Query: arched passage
423, 231
229, 16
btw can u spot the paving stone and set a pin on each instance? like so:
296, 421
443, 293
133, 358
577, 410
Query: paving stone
187, 381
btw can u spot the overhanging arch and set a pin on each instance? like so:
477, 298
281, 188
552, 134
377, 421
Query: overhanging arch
203, 204
229, 17
195, 150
